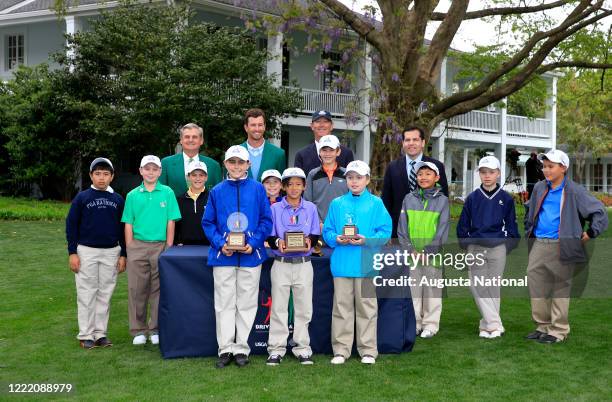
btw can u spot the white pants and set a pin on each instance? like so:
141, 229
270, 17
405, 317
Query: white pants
426, 300
95, 283
487, 298
286, 277
236, 291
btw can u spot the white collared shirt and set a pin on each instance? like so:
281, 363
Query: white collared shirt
109, 189
186, 161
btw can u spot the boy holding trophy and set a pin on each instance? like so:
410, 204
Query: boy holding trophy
295, 229
355, 222
237, 220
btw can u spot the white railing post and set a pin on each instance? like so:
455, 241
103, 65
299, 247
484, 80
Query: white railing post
503, 129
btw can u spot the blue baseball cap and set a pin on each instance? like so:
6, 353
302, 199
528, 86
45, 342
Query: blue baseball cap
321, 114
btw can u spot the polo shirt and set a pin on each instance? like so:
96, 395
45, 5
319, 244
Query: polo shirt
255, 157
286, 218
149, 211
550, 213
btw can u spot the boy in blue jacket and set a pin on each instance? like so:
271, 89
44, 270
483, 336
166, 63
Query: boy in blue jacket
487, 227
350, 271
237, 203
554, 227
96, 249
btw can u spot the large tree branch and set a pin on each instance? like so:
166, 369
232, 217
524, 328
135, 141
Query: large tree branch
527, 73
488, 12
572, 63
441, 41
356, 22
559, 33
414, 37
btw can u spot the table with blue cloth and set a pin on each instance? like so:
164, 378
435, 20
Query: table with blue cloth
187, 308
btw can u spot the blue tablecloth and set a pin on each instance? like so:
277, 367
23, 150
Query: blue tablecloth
187, 312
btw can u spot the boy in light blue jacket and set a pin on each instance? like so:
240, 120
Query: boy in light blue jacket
349, 266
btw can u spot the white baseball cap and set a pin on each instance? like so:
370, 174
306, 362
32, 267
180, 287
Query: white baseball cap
329, 140
293, 172
100, 161
150, 159
556, 156
237, 151
359, 167
270, 173
429, 165
490, 162
197, 165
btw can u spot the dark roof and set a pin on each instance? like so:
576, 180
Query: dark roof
39, 5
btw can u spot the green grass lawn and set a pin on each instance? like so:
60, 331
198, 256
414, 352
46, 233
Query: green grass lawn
38, 327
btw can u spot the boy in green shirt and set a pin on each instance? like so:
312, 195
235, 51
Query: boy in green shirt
149, 215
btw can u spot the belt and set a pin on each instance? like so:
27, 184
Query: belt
544, 240
292, 260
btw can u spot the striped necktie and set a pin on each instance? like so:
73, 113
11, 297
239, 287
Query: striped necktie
412, 183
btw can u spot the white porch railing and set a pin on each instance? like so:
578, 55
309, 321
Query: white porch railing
476, 120
490, 123
335, 103
521, 126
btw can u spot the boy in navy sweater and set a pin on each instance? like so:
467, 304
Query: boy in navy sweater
96, 251
487, 227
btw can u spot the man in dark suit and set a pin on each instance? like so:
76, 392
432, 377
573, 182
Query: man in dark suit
307, 158
400, 176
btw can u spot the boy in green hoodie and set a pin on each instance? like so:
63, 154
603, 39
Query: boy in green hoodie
423, 229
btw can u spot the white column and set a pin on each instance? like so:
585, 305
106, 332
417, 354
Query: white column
274, 68
551, 111
604, 174
464, 192
73, 25
503, 128
274, 65
363, 139
442, 88
587, 175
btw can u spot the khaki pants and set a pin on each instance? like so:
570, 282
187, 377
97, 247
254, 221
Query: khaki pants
236, 291
143, 285
286, 277
352, 310
95, 283
426, 300
487, 298
550, 284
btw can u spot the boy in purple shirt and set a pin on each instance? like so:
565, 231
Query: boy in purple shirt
292, 269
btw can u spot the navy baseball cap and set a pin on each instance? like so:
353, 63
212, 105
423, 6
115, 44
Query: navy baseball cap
321, 114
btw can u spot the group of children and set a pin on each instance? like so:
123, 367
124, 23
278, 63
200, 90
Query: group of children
321, 205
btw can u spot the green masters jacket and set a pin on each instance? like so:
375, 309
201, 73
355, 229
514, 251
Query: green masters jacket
273, 157
173, 173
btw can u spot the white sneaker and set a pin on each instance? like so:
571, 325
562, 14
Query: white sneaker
427, 334
496, 334
484, 334
338, 359
367, 359
154, 339
139, 340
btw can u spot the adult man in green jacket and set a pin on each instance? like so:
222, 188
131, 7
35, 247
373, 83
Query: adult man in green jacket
263, 155
174, 167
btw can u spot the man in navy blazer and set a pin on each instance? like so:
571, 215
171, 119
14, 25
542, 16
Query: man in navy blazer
396, 183
307, 158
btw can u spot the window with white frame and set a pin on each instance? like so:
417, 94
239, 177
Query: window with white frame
332, 72
15, 51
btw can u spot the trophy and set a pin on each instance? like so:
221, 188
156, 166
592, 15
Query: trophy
295, 241
350, 230
237, 223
